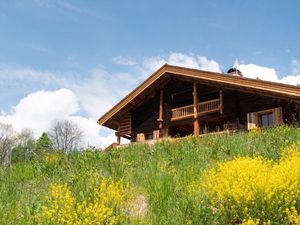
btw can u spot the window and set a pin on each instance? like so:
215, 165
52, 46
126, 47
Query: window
266, 119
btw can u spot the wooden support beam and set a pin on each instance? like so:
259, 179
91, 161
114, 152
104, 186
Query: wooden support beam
118, 139
195, 101
221, 101
298, 112
160, 118
118, 136
165, 129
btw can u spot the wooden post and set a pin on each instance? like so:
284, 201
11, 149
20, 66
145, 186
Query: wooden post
118, 139
118, 136
195, 100
160, 118
167, 118
221, 101
298, 107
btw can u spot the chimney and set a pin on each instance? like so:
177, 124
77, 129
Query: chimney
234, 71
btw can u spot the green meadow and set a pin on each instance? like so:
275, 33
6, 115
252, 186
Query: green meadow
151, 184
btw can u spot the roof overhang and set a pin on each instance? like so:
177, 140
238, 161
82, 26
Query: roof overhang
159, 77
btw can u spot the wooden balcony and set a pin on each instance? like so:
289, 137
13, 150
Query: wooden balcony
203, 108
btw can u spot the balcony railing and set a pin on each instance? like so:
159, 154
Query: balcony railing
203, 108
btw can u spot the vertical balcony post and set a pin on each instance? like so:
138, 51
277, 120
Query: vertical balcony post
118, 135
298, 109
160, 118
221, 101
118, 139
195, 100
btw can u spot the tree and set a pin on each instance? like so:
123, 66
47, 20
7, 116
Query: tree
66, 135
43, 143
25, 146
7, 143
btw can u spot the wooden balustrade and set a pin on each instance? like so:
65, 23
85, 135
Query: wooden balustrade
203, 108
209, 106
182, 112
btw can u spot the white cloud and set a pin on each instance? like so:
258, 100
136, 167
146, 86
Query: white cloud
126, 61
184, 60
151, 64
92, 132
96, 92
93, 95
14, 74
295, 66
209, 65
270, 74
291, 79
39, 109
10, 73
101, 90
2, 112
255, 71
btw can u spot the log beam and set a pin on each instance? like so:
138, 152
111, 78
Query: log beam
221, 101
118, 135
160, 118
195, 101
118, 139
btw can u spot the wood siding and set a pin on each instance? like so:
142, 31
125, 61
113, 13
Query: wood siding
236, 113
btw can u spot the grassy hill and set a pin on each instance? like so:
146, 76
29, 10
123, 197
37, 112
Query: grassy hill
210, 180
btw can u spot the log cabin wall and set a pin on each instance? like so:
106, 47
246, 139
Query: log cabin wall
177, 93
237, 105
185, 126
210, 113
144, 118
231, 103
290, 113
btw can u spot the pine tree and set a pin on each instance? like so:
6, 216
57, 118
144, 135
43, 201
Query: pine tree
44, 143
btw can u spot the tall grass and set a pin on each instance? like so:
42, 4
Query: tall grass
161, 173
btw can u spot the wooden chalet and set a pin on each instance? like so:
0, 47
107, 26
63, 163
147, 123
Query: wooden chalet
177, 101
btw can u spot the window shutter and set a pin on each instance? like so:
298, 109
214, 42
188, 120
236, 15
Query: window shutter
278, 119
252, 120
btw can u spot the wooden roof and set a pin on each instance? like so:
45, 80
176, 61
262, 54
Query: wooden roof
159, 77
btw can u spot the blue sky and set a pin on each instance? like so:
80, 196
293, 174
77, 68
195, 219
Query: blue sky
82, 49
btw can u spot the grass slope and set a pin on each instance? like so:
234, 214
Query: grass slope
160, 173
